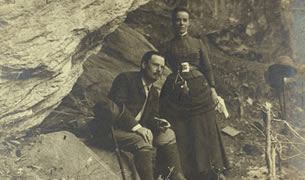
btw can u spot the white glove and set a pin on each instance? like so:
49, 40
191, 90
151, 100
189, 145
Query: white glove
221, 107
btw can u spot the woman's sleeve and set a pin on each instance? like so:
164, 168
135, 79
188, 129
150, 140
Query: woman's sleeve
206, 66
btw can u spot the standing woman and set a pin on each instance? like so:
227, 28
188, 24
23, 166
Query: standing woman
188, 99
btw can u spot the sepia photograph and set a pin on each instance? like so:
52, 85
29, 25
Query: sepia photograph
152, 89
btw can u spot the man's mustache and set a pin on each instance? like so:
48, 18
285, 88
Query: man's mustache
158, 75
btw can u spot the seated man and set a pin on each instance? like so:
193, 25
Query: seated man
140, 128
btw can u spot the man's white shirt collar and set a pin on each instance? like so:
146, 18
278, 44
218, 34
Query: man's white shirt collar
184, 34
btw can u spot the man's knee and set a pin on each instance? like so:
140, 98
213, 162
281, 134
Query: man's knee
130, 141
163, 138
141, 144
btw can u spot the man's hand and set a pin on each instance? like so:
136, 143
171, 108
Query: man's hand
146, 134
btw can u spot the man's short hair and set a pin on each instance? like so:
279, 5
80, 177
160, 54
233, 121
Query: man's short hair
179, 9
147, 56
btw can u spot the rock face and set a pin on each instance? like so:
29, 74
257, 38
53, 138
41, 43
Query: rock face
251, 30
43, 47
58, 155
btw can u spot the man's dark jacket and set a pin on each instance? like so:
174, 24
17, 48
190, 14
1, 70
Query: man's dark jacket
128, 90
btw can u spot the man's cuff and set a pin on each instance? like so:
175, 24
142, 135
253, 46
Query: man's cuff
136, 127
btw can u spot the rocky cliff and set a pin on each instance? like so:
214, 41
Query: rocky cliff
43, 45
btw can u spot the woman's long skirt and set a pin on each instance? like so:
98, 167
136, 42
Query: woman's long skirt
193, 118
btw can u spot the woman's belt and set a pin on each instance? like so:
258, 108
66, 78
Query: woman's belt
193, 68
192, 74
187, 67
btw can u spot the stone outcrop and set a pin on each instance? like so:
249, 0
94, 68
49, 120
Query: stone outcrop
43, 45
58, 155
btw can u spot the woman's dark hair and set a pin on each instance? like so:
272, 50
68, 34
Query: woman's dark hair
179, 9
147, 56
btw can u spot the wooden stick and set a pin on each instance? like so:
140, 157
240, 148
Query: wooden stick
258, 129
284, 98
269, 150
273, 154
295, 133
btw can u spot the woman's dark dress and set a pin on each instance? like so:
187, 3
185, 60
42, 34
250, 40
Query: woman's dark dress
192, 114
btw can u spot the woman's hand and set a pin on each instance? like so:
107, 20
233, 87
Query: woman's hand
220, 104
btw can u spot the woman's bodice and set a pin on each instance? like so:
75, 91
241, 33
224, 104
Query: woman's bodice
183, 49
191, 50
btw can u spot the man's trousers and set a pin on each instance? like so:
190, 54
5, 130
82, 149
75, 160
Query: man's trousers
165, 142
